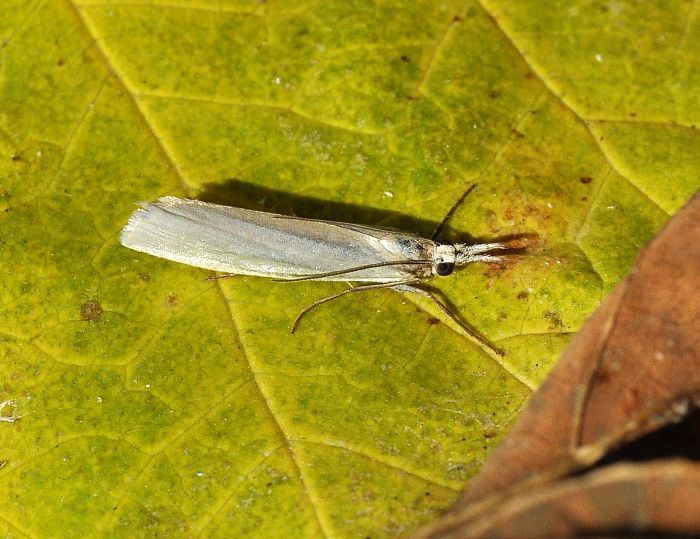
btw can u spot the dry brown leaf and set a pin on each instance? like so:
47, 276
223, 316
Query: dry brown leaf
620, 500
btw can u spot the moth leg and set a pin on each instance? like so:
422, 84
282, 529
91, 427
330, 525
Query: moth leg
360, 288
218, 276
473, 334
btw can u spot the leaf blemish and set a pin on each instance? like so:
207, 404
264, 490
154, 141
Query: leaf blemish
11, 414
172, 300
586, 179
554, 319
91, 310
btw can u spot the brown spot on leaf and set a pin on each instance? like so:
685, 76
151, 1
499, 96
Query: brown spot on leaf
554, 319
496, 268
171, 300
145, 276
405, 58
91, 310
585, 179
433, 321
523, 294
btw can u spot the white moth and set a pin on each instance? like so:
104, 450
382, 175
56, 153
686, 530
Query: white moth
238, 241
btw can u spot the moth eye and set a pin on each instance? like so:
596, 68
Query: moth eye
444, 268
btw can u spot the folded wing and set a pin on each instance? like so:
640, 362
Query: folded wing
247, 242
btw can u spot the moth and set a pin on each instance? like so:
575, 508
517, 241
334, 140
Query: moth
237, 241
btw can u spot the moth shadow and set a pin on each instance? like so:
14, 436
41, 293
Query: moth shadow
234, 192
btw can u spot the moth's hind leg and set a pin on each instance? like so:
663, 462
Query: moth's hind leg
360, 288
218, 276
445, 310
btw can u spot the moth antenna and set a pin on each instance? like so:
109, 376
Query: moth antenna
438, 229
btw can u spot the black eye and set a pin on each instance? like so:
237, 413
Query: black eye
444, 268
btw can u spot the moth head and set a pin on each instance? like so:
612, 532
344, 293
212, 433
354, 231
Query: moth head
445, 259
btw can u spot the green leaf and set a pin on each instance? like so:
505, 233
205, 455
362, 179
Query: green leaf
139, 398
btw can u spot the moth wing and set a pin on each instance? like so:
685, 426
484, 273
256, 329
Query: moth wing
241, 241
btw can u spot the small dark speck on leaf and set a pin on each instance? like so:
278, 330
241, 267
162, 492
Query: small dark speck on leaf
494, 94
583, 199
554, 319
145, 276
172, 300
433, 321
61, 62
457, 18
633, 114
16, 157
585, 179
517, 133
91, 310
523, 294
405, 58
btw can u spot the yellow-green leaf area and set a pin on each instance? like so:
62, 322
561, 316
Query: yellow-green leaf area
138, 398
